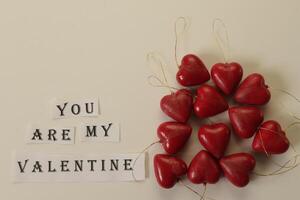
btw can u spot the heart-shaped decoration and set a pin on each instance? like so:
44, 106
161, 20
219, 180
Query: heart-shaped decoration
168, 169
178, 105
203, 169
192, 71
245, 120
253, 90
227, 76
214, 138
237, 167
270, 139
173, 135
209, 102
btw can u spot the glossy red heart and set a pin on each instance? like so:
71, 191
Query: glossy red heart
214, 138
178, 105
237, 167
245, 120
173, 135
209, 102
192, 71
270, 138
227, 76
168, 169
253, 90
203, 169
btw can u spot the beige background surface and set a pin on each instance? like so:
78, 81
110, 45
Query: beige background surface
70, 48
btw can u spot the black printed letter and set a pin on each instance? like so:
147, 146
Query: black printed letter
91, 133
62, 109
87, 107
78, 165
37, 134
22, 168
50, 167
51, 134
92, 164
64, 166
106, 129
127, 163
77, 108
65, 134
37, 166
114, 164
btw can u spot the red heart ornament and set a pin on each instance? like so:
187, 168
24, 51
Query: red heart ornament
209, 102
253, 90
178, 105
227, 76
245, 120
192, 71
237, 167
168, 169
173, 135
214, 138
270, 139
203, 169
